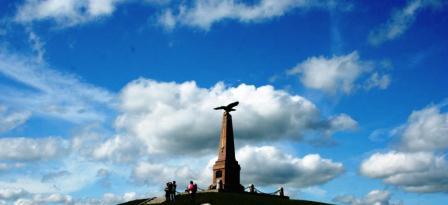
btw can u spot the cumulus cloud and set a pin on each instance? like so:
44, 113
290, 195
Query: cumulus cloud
278, 169
119, 149
415, 172
374, 197
426, 130
11, 120
25, 149
401, 20
12, 193
159, 173
52, 198
417, 166
109, 198
47, 92
283, 169
204, 13
68, 13
65, 12
92, 142
161, 113
24, 198
338, 74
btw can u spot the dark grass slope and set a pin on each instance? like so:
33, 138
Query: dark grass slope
215, 198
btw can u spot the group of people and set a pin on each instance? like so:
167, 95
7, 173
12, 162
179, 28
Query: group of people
170, 191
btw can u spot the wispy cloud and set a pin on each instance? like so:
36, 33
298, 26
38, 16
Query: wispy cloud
204, 13
400, 21
10, 120
47, 92
27, 149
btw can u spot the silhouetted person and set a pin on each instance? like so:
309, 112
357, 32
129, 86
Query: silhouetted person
281, 192
173, 192
167, 192
192, 189
252, 188
220, 186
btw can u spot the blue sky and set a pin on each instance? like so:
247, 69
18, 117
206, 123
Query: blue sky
103, 101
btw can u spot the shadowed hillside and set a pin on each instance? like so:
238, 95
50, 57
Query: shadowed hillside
214, 198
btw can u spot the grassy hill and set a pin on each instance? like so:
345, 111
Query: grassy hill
214, 198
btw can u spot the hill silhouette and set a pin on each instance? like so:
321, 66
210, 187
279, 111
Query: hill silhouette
215, 198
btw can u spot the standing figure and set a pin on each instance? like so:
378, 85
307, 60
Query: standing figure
173, 192
167, 191
192, 189
282, 194
252, 188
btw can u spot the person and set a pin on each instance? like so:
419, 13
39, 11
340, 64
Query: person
192, 189
252, 188
195, 188
173, 192
282, 194
167, 192
219, 187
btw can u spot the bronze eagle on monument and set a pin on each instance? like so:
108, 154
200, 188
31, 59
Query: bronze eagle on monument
228, 108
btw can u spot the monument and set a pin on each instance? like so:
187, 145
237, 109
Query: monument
226, 170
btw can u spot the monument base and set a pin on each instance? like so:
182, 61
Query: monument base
226, 176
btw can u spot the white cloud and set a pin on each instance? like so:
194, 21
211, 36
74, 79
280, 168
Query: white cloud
68, 13
381, 165
374, 197
168, 20
377, 80
11, 120
52, 198
47, 92
426, 130
54, 175
26, 149
92, 143
401, 20
204, 13
37, 45
178, 118
340, 123
12, 193
415, 172
417, 166
119, 149
8, 166
82, 173
278, 169
160, 173
108, 199
65, 12
338, 74
282, 169
58, 198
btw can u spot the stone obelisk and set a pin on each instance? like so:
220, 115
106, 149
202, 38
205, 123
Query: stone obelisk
226, 169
